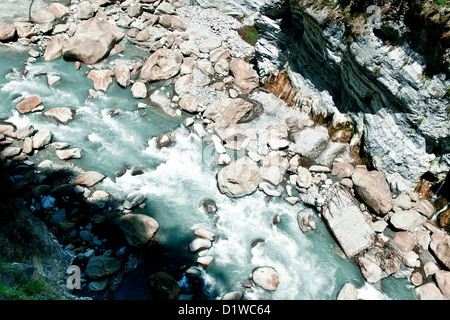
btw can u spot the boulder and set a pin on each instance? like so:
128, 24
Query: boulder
102, 79
304, 177
85, 10
122, 74
189, 49
404, 241
292, 122
134, 10
245, 78
41, 139
425, 208
407, 220
10, 152
402, 202
348, 292
138, 229
52, 80
199, 244
27, 145
58, 10
165, 139
24, 132
188, 65
139, 90
428, 291
342, 170
210, 206
98, 285
346, 220
218, 54
411, 259
442, 279
171, 22
89, 178
373, 189
273, 169
143, 35
210, 44
189, 103
204, 261
235, 295
311, 142
266, 278
163, 286
42, 16
205, 66
165, 8
199, 130
222, 67
7, 32
228, 130
306, 220
162, 64
234, 109
92, 42
239, 178
379, 261
137, 199
62, 115
183, 83
275, 136
28, 104
102, 266
440, 245
74, 153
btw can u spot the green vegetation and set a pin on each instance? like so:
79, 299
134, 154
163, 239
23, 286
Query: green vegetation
249, 34
21, 287
442, 3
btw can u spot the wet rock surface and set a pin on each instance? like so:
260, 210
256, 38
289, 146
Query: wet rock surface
375, 215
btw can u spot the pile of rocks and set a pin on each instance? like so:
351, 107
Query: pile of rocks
216, 86
87, 222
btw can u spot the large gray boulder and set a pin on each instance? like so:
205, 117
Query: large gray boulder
408, 220
346, 221
239, 178
92, 42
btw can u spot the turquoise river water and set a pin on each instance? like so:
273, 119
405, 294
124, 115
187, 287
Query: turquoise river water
177, 180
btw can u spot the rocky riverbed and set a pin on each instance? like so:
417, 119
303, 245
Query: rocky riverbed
260, 142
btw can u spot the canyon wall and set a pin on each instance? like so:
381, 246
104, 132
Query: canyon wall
390, 82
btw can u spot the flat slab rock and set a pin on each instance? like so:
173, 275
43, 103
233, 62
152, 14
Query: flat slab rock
62, 115
90, 178
346, 221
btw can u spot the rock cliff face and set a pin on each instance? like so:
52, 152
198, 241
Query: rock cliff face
389, 82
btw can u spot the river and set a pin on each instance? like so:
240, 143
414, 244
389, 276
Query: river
176, 181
